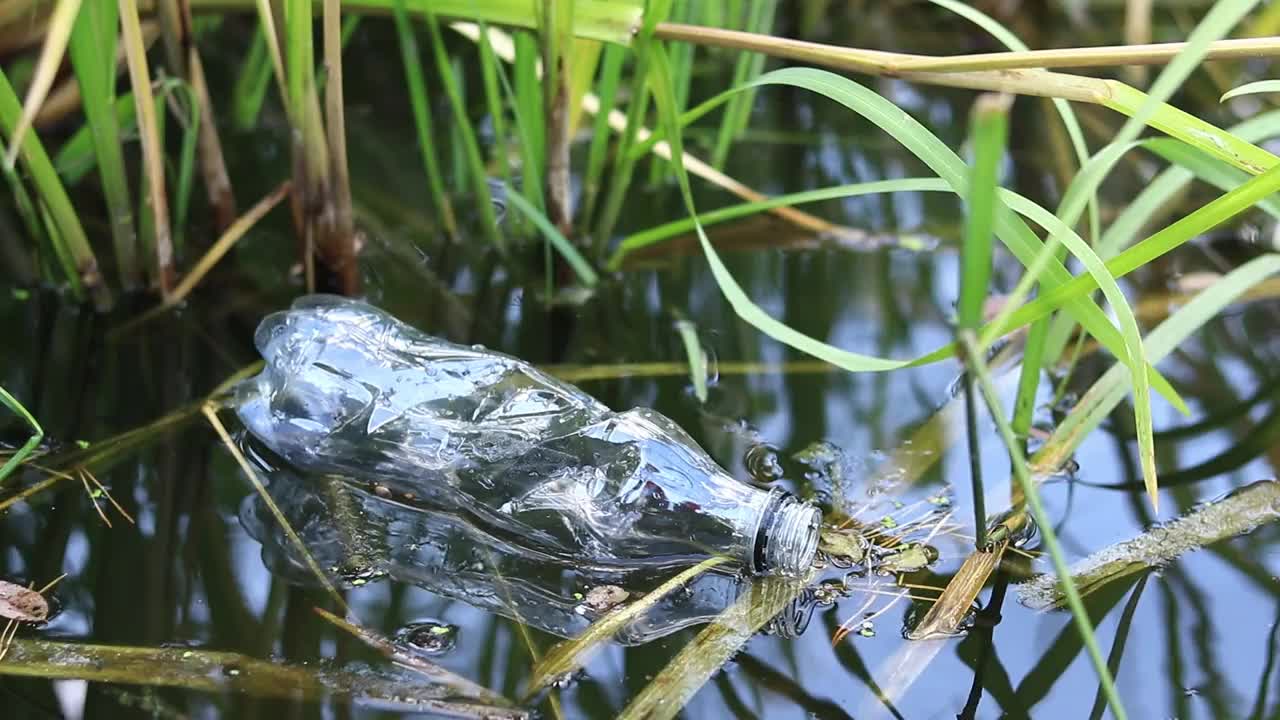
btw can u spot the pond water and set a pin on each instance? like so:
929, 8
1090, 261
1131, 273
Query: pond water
1196, 640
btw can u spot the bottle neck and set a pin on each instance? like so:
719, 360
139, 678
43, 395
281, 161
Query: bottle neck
787, 538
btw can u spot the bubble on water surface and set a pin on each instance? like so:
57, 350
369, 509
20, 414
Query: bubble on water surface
428, 637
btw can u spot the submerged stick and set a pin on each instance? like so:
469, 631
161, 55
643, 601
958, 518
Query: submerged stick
569, 655
945, 617
671, 689
214, 671
211, 414
1238, 513
433, 672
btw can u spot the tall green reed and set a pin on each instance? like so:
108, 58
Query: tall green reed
988, 135
93, 57
471, 145
65, 235
417, 91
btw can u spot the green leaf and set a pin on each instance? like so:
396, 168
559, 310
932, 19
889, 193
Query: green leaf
562, 245
1261, 86
37, 434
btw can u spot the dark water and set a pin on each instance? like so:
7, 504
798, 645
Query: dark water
1198, 639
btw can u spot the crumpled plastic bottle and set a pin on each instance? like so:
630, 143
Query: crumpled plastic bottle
359, 536
349, 389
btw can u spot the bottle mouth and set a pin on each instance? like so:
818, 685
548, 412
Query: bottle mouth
788, 537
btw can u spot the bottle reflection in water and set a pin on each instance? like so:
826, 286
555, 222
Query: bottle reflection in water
348, 389
360, 536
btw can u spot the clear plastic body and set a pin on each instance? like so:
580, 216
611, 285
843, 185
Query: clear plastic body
348, 389
358, 536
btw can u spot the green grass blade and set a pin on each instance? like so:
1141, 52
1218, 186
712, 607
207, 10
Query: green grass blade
1154, 111
569, 655
737, 298
562, 245
1156, 197
93, 56
527, 141
78, 156
1185, 229
1157, 194
1083, 186
1019, 238
1022, 474
489, 70
471, 146
69, 240
989, 130
1024, 403
1069, 120
38, 232
597, 152
696, 356
1193, 131
37, 435
417, 86
988, 133
625, 162
528, 104
252, 80
1110, 389
1261, 86
1207, 169
666, 231
187, 110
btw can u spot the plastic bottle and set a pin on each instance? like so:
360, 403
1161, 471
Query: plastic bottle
348, 389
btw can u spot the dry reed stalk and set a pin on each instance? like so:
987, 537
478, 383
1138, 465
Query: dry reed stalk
343, 259
953, 606
880, 62
152, 149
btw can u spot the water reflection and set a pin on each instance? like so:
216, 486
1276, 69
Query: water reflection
360, 536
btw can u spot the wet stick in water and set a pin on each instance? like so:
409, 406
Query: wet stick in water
218, 672
211, 414
568, 656
949, 611
1236, 514
671, 689
438, 675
